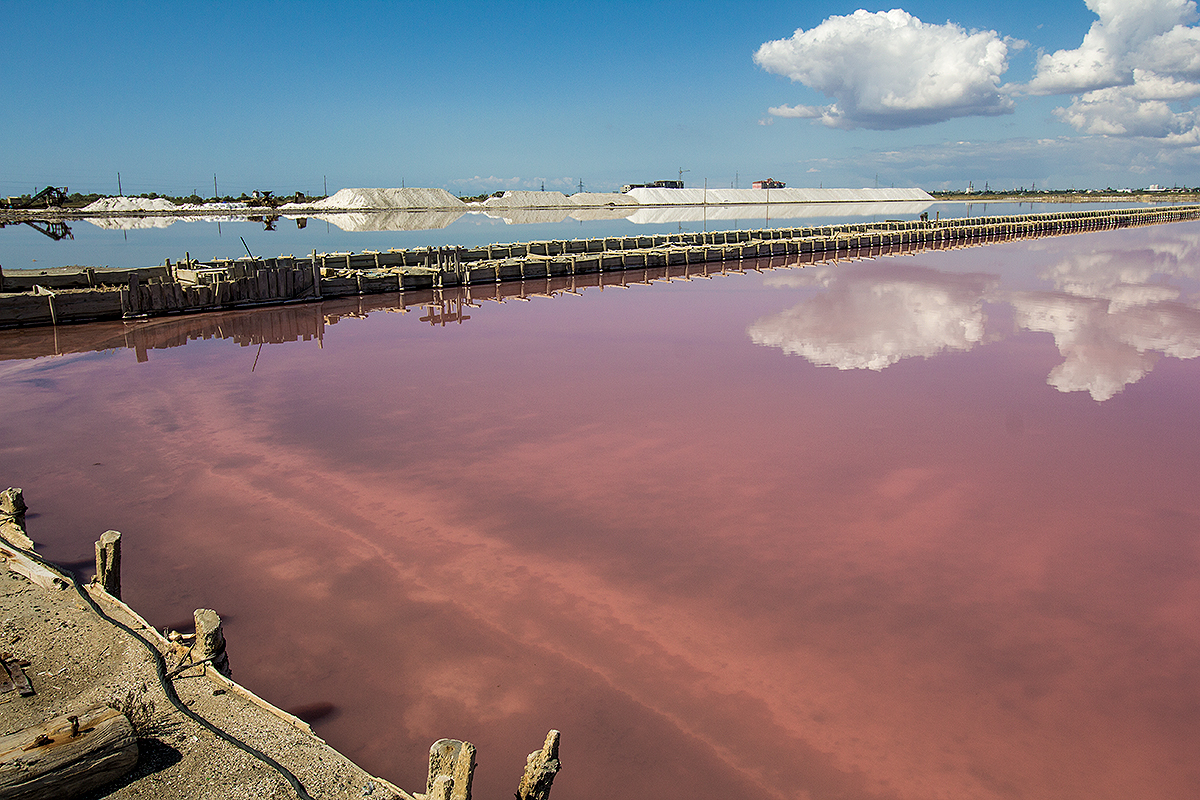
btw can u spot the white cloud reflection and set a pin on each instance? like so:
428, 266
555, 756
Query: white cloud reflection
870, 319
1112, 314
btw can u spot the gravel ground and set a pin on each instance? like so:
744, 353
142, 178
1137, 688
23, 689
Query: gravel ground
79, 660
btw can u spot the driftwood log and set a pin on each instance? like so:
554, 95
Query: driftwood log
22, 564
67, 756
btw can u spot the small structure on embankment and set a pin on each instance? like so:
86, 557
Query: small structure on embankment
41, 298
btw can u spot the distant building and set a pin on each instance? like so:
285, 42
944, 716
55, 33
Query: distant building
654, 185
769, 183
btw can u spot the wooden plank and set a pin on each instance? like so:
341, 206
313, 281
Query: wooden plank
24, 565
67, 755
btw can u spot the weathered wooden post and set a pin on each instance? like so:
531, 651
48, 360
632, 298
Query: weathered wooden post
453, 761
12, 518
540, 769
316, 270
210, 641
108, 563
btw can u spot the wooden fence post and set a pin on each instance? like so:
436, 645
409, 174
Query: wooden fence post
210, 641
108, 563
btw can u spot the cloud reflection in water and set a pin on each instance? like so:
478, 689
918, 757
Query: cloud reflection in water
1112, 314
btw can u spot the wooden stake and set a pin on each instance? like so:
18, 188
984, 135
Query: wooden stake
450, 759
540, 769
108, 563
210, 641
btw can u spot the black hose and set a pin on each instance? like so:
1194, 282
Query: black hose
168, 688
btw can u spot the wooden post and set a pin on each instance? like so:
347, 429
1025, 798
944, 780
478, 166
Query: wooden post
108, 563
540, 769
316, 269
12, 502
12, 518
67, 756
450, 759
210, 641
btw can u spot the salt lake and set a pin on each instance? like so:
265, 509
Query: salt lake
917, 527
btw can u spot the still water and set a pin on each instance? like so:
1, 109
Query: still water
920, 527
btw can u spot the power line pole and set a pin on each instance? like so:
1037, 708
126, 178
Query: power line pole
119, 192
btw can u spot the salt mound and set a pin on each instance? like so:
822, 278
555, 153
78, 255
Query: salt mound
593, 199
667, 197
529, 200
109, 204
389, 198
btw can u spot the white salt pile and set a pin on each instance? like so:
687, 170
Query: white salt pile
109, 204
529, 200
592, 199
667, 197
362, 199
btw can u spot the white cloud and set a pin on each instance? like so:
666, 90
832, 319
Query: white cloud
1148, 34
1116, 111
889, 70
801, 112
1137, 59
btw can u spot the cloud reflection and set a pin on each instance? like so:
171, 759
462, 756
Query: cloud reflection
1112, 313
871, 318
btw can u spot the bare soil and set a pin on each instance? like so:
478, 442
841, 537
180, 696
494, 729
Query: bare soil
79, 660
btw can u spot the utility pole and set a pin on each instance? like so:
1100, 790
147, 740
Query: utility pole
581, 185
215, 195
325, 180
119, 192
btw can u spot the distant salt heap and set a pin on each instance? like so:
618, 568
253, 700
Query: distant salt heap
593, 199
363, 199
529, 200
111, 204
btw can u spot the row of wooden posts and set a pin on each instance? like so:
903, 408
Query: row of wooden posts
75, 753
191, 285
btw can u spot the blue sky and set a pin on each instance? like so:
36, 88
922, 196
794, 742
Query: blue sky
485, 96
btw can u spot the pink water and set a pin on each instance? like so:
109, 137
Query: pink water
661, 520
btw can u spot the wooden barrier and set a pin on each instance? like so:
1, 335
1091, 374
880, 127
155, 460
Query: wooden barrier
190, 286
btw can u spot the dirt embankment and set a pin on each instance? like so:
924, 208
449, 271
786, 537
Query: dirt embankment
78, 659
